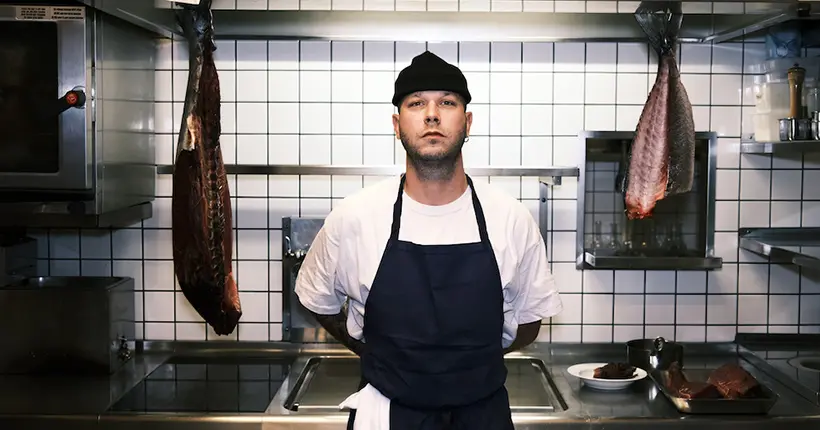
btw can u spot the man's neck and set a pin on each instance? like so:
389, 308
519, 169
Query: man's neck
435, 192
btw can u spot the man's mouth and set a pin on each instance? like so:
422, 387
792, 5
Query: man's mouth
432, 134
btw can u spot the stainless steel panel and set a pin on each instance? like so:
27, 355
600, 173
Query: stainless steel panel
600, 146
794, 14
458, 26
790, 245
181, 422
124, 134
298, 324
67, 324
604, 260
790, 147
45, 422
327, 381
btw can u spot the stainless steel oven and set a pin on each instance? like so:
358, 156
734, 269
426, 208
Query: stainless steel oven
76, 114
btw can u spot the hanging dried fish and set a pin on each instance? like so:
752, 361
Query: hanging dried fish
662, 155
201, 205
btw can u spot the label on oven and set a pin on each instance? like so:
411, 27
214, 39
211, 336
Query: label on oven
49, 13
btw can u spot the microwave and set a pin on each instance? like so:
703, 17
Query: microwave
77, 114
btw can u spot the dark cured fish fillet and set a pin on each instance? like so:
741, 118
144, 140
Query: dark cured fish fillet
662, 156
201, 205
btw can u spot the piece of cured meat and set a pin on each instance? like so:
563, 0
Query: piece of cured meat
201, 206
614, 371
662, 155
733, 381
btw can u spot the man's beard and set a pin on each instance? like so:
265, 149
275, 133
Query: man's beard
434, 167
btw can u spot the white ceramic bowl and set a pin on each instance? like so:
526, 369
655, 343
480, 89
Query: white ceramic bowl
585, 372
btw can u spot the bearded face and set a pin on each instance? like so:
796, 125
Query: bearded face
433, 126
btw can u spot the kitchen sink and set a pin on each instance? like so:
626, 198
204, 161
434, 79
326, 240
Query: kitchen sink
326, 381
207, 384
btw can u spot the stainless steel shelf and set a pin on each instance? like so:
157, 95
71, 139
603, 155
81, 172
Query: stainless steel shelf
548, 175
62, 215
455, 26
616, 262
789, 147
797, 12
798, 245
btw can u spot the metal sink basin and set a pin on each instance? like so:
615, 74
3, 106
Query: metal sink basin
326, 381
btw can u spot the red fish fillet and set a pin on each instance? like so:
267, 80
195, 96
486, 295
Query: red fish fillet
662, 156
649, 159
201, 205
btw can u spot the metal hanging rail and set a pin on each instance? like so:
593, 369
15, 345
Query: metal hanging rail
547, 175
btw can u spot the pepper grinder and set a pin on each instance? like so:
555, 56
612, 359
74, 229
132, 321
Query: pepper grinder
799, 125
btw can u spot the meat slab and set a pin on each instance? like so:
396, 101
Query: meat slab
733, 381
662, 155
201, 204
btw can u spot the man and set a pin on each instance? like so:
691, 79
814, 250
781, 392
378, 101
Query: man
443, 276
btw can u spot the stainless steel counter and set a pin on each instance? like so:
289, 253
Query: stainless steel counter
78, 402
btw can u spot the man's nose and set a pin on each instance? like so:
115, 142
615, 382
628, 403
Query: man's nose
431, 116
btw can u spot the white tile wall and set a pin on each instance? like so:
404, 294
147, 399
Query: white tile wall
315, 102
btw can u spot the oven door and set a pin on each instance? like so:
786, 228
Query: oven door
44, 144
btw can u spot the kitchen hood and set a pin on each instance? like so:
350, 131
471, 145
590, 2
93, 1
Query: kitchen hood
702, 23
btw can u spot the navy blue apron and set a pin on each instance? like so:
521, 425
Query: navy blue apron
432, 326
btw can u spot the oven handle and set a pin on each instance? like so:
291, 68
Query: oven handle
72, 99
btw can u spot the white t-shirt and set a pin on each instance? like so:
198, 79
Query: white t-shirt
343, 258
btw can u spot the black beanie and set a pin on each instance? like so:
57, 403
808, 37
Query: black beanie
428, 71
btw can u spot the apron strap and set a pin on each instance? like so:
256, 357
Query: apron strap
394, 229
479, 213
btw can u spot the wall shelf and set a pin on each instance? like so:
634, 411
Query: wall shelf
799, 13
458, 26
547, 175
678, 236
608, 260
67, 215
797, 245
775, 148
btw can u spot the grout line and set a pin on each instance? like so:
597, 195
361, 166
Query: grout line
267, 204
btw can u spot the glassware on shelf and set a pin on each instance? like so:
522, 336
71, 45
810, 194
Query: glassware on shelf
674, 243
597, 238
614, 238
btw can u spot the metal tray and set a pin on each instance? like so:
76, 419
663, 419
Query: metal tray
753, 406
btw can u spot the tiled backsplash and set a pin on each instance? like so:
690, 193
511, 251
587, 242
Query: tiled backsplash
316, 102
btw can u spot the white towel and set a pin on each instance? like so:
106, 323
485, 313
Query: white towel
372, 409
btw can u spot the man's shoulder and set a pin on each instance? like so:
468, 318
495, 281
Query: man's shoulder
367, 201
495, 199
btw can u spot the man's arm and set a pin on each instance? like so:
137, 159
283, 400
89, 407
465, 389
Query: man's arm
317, 283
536, 297
526, 334
336, 325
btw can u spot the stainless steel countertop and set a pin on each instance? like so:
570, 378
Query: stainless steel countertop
29, 402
